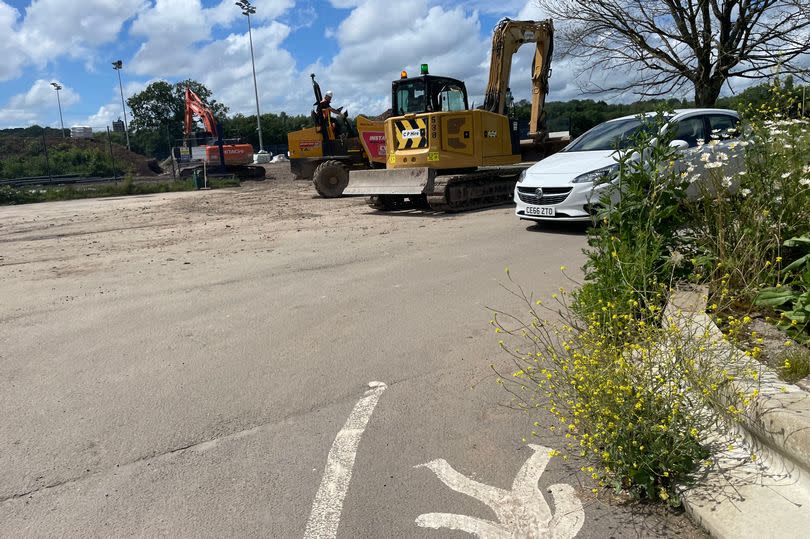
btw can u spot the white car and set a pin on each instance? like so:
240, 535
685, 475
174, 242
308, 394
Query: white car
568, 185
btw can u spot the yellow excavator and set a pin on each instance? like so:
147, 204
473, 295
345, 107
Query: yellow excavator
443, 155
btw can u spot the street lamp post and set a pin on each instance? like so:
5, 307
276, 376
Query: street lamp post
57, 87
247, 10
118, 65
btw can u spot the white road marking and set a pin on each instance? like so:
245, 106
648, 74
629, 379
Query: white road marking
325, 515
522, 512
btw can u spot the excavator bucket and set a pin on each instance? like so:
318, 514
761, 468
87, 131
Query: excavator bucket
401, 181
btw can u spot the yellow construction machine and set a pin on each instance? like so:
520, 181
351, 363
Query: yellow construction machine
324, 155
441, 153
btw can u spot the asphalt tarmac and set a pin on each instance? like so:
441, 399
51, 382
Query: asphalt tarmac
198, 365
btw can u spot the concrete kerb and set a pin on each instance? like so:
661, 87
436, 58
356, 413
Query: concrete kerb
738, 496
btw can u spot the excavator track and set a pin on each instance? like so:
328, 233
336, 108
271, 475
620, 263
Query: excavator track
463, 192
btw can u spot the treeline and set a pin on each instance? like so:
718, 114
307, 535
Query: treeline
577, 116
158, 113
158, 141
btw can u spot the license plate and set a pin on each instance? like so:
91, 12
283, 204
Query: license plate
412, 133
543, 211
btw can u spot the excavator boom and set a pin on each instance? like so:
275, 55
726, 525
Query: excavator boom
195, 105
509, 35
235, 158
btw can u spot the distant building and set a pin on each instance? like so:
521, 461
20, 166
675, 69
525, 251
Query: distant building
81, 131
118, 126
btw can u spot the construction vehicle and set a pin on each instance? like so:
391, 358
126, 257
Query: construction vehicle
446, 156
230, 156
325, 156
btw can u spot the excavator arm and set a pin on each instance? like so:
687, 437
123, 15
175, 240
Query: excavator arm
508, 37
195, 105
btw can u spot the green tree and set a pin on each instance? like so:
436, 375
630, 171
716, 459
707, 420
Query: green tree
154, 107
158, 114
274, 127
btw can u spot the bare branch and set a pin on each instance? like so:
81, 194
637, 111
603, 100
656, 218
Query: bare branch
671, 44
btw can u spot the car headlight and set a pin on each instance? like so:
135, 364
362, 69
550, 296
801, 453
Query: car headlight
601, 175
522, 176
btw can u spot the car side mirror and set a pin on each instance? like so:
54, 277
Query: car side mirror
679, 144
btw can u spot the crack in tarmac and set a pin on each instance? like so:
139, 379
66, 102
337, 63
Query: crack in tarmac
197, 446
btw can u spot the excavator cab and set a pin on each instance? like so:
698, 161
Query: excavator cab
427, 93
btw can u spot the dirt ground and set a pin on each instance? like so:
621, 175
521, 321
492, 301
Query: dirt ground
173, 227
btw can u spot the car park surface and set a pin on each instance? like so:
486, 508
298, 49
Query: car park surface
190, 364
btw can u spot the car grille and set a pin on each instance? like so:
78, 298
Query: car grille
551, 195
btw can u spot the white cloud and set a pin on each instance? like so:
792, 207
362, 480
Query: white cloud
506, 8
222, 65
163, 22
42, 94
71, 28
530, 11
15, 117
105, 116
345, 4
376, 42
232, 82
27, 108
266, 10
173, 23
14, 58
51, 29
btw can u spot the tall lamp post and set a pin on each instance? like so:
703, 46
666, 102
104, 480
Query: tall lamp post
118, 65
57, 87
248, 10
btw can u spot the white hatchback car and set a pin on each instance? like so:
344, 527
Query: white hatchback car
568, 185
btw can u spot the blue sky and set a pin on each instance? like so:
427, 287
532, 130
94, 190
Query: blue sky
356, 47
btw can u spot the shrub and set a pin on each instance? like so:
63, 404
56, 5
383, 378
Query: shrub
792, 296
629, 392
743, 238
631, 399
635, 247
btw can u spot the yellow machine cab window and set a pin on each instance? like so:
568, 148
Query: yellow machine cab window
417, 95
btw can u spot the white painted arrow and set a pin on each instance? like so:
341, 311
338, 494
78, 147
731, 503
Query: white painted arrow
326, 508
522, 512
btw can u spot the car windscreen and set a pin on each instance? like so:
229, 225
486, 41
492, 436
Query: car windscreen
449, 96
617, 134
410, 97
